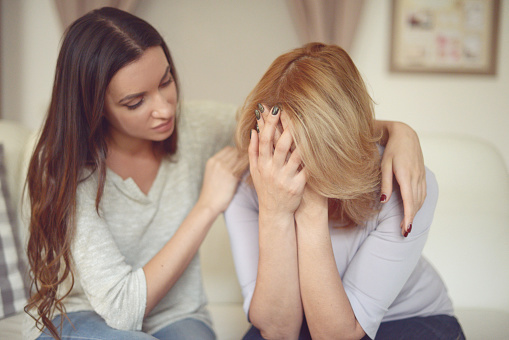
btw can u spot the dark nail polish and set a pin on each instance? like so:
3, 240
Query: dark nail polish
275, 110
383, 198
405, 234
260, 107
409, 229
257, 128
257, 114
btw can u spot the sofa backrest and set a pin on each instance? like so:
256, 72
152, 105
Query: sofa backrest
14, 137
219, 276
469, 238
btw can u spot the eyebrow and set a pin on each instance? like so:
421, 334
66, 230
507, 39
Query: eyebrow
134, 95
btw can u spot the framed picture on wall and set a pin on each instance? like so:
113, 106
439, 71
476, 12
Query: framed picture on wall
445, 36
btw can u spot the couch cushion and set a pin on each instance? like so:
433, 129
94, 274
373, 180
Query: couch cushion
481, 324
13, 291
229, 320
11, 327
14, 137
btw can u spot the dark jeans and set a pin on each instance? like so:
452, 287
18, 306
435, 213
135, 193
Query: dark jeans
426, 328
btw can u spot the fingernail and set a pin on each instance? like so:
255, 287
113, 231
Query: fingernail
405, 234
275, 110
409, 229
257, 128
257, 114
383, 198
260, 107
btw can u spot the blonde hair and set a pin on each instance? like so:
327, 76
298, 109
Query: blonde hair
332, 122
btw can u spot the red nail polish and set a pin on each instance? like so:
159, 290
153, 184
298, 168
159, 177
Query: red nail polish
383, 198
409, 229
405, 234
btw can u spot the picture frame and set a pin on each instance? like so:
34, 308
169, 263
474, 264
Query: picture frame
444, 36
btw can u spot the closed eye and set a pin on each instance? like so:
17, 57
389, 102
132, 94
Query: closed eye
135, 105
167, 80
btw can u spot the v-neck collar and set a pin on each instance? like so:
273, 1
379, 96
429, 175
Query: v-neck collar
129, 187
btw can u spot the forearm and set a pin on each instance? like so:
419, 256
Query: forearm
166, 267
328, 311
276, 308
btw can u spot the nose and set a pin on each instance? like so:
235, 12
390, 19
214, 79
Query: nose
161, 109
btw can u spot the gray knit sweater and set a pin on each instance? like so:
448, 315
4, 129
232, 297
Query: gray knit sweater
110, 248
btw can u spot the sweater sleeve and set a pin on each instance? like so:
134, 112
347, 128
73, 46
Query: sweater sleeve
241, 219
209, 125
385, 260
115, 290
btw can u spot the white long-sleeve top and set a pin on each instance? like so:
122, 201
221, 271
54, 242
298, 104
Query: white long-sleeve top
383, 274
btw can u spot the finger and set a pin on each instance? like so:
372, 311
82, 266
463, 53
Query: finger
302, 177
409, 211
411, 208
417, 196
387, 178
253, 152
278, 132
295, 162
266, 142
260, 113
282, 148
422, 193
263, 111
283, 125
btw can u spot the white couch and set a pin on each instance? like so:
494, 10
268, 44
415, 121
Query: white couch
225, 300
469, 242
469, 239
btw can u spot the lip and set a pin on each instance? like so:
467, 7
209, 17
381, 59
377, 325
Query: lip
164, 127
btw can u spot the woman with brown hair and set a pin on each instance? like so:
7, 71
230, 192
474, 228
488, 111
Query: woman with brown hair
117, 213
316, 253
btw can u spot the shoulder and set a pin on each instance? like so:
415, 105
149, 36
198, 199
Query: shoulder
205, 127
209, 110
87, 186
207, 118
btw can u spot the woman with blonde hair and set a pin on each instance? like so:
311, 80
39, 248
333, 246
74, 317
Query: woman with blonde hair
316, 253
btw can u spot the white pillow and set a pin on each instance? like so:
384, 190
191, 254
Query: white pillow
13, 289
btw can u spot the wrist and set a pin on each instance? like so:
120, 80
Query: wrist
276, 218
316, 216
207, 209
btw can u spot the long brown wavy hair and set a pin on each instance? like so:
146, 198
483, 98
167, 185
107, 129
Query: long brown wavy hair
332, 122
73, 139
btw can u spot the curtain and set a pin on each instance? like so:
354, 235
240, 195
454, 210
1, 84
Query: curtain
327, 21
70, 10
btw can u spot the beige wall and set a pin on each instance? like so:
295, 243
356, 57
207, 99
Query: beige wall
222, 47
